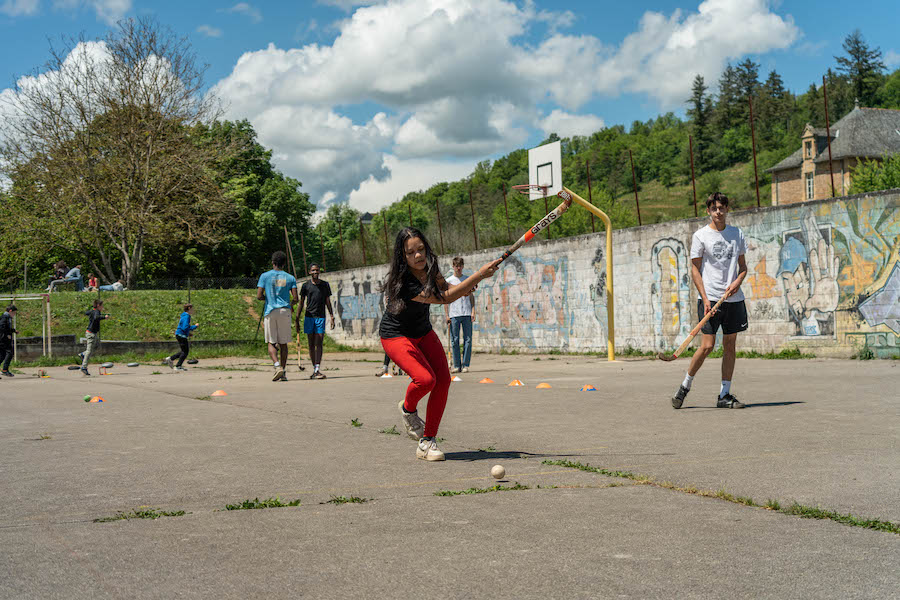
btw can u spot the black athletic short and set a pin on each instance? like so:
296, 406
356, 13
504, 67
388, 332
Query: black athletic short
731, 316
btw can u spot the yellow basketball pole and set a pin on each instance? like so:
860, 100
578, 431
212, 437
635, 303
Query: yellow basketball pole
610, 319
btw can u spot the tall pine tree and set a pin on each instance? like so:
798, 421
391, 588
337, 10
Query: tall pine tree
700, 112
863, 66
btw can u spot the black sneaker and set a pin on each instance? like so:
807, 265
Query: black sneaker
678, 398
8, 374
729, 401
84, 372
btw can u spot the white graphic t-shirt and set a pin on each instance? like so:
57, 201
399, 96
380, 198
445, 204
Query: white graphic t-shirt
461, 307
720, 251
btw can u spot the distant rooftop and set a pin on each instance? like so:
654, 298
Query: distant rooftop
862, 133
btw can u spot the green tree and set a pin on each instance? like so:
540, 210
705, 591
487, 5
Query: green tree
875, 175
699, 111
862, 65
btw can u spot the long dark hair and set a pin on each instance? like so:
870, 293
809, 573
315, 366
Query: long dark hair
393, 284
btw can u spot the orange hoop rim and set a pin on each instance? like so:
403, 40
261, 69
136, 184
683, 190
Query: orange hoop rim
528, 188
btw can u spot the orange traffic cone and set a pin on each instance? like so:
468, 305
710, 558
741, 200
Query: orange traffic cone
486, 380
457, 378
515, 383
543, 386
588, 388
96, 399
219, 393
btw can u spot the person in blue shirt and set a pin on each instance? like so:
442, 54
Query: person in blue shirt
279, 290
182, 333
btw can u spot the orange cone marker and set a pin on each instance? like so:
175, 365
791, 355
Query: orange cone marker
515, 383
588, 388
388, 375
96, 399
219, 393
486, 380
543, 386
458, 378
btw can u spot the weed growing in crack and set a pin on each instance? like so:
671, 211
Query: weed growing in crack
577, 465
141, 513
496, 488
356, 422
346, 500
256, 503
392, 430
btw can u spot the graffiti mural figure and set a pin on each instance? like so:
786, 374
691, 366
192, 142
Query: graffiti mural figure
670, 291
808, 271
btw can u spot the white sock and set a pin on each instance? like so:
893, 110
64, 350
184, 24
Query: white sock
277, 364
688, 380
316, 368
726, 387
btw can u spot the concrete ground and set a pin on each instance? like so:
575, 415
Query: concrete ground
817, 432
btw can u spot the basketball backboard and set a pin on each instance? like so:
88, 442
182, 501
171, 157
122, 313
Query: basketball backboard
545, 168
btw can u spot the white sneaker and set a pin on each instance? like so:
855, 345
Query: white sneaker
454, 370
169, 363
279, 373
415, 427
428, 450
465, 369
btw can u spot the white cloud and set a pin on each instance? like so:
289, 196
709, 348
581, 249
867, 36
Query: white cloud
406, 176
892, 58
446, 99
17, 8
347, 5
108, 11
568, 125
209, 31
242, 8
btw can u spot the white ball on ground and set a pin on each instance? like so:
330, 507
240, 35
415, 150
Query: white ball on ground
498, 472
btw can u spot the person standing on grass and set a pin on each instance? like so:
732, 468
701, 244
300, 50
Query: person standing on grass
718, 269
92, 335
279, 289
319, 294
460, 315
413, 283
182, 333
6, 338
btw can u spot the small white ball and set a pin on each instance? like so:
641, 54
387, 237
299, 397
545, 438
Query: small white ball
498, 472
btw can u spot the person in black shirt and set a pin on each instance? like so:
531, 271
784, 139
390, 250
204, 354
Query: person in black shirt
318, 293
6, 338
413, 282
92, 335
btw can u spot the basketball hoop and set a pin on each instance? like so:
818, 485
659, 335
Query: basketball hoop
532, 191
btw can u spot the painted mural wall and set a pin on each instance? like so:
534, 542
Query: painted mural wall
823, 277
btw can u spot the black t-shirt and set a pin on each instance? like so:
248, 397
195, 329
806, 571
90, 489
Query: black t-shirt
413, 321
316, 295
94, 318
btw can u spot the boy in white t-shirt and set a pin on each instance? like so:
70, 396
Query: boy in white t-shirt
718, 269
460, 314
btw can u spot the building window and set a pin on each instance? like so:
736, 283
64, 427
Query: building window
808, 147
810, 188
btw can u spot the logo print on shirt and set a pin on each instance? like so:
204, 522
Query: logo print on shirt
722, 250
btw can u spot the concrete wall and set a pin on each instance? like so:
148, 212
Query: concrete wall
840, 291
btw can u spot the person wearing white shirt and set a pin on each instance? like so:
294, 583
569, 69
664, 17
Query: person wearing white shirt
718, 268
460, 315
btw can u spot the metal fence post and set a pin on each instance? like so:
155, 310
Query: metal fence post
409, 206
828, 137
437, 204
341, 234
693, 179
384, 222
506, 206
472, 205
322, 247
587, 163
362, 237
634, 182
753, 140
303, 248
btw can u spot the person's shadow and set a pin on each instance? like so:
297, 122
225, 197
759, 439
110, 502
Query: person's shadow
749, 405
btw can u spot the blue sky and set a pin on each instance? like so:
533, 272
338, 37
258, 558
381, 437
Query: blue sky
364, 101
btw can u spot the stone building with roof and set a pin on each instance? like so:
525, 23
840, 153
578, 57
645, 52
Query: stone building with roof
864, 133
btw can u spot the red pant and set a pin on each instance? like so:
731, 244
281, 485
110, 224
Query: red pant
424, 360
